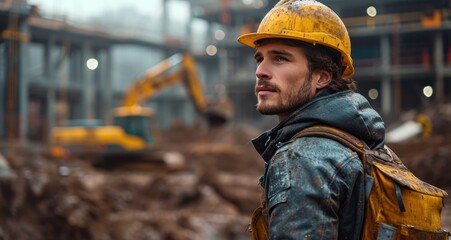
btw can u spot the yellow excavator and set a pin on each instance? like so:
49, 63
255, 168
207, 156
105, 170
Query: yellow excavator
131, 136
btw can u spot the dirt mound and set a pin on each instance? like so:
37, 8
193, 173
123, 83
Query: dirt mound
428, 155
211, 199
428, 159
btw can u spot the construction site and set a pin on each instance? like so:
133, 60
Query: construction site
134, 123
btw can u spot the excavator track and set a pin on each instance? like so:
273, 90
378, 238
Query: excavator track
136, 160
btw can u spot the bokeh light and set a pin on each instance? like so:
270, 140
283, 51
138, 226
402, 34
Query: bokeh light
371, 11
428, 91
373, 94
211, 50
219, 35
92, 63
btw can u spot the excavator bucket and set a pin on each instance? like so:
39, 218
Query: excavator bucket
219, 112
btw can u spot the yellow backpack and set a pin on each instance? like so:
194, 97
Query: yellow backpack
398, 206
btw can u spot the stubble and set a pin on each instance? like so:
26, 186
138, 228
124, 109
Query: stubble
287, 101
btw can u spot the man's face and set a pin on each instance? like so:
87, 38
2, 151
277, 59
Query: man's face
283, 81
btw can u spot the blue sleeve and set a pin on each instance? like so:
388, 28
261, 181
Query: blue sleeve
310, 185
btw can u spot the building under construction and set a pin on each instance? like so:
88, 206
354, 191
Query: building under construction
398, 51
55, 72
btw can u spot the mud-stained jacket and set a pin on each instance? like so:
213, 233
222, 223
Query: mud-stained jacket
314, 186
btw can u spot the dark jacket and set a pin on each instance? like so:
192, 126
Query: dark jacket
314, 186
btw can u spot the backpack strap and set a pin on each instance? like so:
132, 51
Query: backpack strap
332, 133
348, 140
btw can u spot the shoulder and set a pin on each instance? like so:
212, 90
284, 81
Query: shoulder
318, 152
313, 166
316, 147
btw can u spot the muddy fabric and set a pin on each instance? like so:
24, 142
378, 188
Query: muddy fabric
315, 185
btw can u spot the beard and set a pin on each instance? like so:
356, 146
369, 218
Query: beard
287, 102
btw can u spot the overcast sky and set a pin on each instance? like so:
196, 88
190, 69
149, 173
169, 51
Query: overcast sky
83, 9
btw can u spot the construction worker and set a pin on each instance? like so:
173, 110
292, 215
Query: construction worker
314, 187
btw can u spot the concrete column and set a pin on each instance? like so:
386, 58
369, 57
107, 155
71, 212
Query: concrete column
107, 92
49, 73
165, 23
223, 71
3, 74
439, 67
386, 88
75, 66
396, 67
87, 83
188, 37
24, 67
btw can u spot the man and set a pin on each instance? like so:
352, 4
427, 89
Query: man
313, 186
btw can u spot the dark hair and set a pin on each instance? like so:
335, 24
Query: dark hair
320, 58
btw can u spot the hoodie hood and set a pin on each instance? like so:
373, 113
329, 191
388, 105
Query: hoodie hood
346, 110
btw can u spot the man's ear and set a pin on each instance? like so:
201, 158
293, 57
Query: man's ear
322, 79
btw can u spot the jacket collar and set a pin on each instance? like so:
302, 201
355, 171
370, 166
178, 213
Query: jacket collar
345, 110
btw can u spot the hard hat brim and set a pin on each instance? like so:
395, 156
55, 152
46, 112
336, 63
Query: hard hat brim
249, 39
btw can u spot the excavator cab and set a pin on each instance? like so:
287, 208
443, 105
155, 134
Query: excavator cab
136, 121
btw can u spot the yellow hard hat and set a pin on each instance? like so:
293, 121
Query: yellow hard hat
305, 20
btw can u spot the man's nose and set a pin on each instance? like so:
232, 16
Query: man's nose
262, 71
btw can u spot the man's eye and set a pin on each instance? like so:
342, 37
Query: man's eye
280, 59
258, 60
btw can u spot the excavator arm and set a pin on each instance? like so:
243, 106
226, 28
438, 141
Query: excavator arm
174, 70
179, 68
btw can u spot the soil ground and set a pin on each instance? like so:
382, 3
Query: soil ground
210, 197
